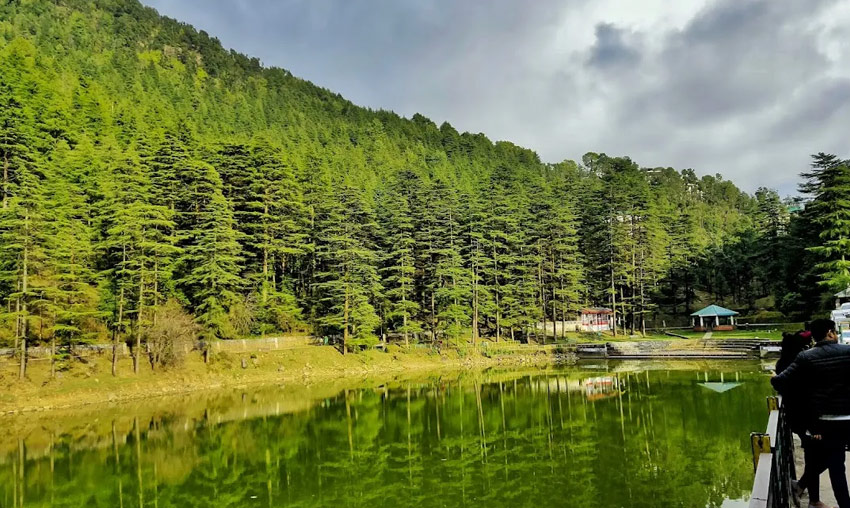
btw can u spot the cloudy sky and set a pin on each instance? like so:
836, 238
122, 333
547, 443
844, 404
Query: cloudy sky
745, 88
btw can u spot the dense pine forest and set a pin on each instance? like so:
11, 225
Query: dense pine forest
154, 183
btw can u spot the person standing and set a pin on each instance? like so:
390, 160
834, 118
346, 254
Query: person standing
823, 375
792, 345
798, 415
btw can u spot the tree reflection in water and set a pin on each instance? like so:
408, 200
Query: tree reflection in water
567, 438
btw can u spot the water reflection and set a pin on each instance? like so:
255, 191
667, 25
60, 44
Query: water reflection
571, 438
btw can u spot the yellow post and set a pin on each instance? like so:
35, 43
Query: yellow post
773, 403
760, 444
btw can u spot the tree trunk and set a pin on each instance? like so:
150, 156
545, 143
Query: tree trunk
155, 305
53, 356
563, 319
643, 312
542, 297
17, 320
623, 309
404, 325
475, 304
403, 301
613, 302
114, 352
274, 273
23, 368
642, 300
433, 318
5, 180
345, 321
206, 353
24, 290
120, 327
555, 302
265, 293
634, 275
496, 286
138, 348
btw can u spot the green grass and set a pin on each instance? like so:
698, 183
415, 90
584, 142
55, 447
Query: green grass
761, 333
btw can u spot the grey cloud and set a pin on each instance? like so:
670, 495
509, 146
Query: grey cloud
735, 58
611, 48
406, 56
825, 101
741, 87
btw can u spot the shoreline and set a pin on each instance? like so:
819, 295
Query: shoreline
92, 384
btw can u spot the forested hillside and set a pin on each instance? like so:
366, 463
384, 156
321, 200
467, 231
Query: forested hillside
148, 172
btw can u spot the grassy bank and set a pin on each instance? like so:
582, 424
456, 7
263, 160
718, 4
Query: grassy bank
80, 384
758, 333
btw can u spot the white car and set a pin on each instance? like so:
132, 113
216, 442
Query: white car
842, 313
841, 316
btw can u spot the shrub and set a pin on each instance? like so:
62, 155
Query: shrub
173, 332
241, 317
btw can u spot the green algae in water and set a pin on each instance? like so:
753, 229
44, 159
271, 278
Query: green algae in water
576, 437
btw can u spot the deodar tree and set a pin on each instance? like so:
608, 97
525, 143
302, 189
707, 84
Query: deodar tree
828, 184
138, 240
211, 259
348, 285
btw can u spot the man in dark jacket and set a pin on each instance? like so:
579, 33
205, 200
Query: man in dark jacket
823, 375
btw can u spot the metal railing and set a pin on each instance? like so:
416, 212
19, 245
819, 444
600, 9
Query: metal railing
773, 460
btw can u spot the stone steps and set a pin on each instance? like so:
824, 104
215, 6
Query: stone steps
683, 349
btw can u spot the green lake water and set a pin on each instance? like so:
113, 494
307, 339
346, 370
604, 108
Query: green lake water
596, 435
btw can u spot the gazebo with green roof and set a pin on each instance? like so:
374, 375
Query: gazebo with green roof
714, 317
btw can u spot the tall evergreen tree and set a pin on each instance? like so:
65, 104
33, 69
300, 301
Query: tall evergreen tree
211, 259
561, 274
828, 184
348, 284
138, 241
452, 282
22, 204
72, 293
397, 233
280, 215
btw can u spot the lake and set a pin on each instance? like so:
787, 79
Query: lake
599, 434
